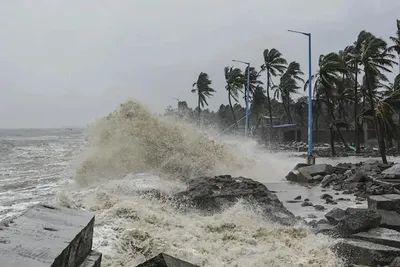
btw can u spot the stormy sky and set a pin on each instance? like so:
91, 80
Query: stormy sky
64, 63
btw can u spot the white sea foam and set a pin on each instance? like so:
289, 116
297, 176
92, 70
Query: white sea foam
137, 151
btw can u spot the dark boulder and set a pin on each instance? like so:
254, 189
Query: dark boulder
389, 202
322, 228
335, 215
164, 260
328, 179
299, 176
381, 236
392, 172
318, 169
330, 201
390, 219
365, 253
319, 207
357, 220
358, 177
213, 194
325, 196
307, 204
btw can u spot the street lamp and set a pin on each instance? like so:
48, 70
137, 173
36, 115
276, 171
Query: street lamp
310, 158
246, 126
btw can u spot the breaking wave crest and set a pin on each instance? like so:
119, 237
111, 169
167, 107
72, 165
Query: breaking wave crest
132, 139
138, 151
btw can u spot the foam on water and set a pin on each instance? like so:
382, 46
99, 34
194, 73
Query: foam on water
131, 227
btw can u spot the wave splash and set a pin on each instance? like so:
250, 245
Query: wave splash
138, 151
132, 139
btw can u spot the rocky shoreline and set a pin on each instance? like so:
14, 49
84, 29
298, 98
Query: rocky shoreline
368, 236
364, 236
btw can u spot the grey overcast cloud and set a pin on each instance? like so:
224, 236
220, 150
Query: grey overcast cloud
65, 63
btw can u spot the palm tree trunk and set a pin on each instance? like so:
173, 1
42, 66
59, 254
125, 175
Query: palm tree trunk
316, 128
356, 126
269, 99
198, 106
381, 140
398, 137
285, 107
332, 141
233, 112
257, 125
288, 110
378, 123
330, 109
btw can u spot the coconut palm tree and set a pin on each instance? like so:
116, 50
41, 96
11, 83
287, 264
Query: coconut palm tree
396, 47
274, 64
396, 41
203, 89
258, 104
254, 80
376, 59
326, 80
288, 86
234, 84
353, 53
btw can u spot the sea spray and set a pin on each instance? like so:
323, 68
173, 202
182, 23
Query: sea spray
133, 229
143, 152
133, 140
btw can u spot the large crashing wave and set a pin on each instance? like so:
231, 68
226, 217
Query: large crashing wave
132, 139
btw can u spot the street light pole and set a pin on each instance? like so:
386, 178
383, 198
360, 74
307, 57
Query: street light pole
310, 158
247, 95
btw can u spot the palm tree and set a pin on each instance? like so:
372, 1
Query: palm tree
396, 48
274, 64
354, 60
326, 80
288, 86
258, 104
203, 89
254, 82
396, 41
234, 84
376, 59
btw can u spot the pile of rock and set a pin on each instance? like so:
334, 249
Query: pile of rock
368, 237
361, 179
213, 194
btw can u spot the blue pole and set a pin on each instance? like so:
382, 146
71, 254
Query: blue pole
310, 131
246, 127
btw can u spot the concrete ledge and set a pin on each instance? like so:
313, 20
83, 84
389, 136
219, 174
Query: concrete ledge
93, 260
46, 236
389, 202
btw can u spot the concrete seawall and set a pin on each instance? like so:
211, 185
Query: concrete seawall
48, 236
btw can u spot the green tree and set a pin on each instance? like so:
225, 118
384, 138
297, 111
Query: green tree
396, 47
254, 80
274, 64
288, 86
325, 89
396, 41
353, 53
376, 59
203, 89
258, 104
234, 84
